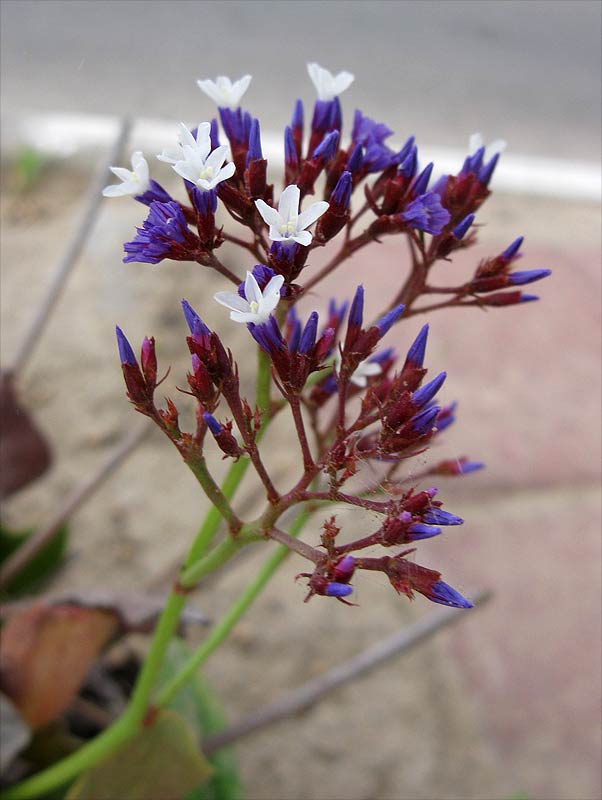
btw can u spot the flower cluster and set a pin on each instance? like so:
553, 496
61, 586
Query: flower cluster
353, 401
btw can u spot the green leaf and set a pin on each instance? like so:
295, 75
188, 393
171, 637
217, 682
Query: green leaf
161, 761
200, 705
41, 566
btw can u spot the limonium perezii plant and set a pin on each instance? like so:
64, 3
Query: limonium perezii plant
354, 404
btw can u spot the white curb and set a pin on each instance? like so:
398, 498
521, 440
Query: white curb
68, 134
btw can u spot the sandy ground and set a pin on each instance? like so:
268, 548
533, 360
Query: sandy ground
505, 703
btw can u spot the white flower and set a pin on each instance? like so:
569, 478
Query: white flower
328, 86
258, 305
133, 182
287, 224
476, 141
203, 168
187, 144
364, 370
223, 92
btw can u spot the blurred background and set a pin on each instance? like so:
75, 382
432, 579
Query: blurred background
508, 703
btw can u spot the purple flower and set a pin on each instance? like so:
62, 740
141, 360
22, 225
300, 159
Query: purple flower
371, 136
427, 214
164, 234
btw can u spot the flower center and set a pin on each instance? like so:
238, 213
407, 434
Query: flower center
254, 306
206, 174
288, 228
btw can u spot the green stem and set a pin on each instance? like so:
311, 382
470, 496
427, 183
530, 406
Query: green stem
231, 617
122, 730
221, 553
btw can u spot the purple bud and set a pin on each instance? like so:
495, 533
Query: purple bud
327, 147
389, 319
512, 250
422, 422
214, 134
254, 152
334, 589
405, 150
410, 163
487, 170
461, 228
195, 323
356, 159
465, 467
417, 351
356, 313
344, 569
341, 194
308, 337
290, 151
297, 119
126, 354
419, 531
437, 516
441, 592
528, 298
528, 276
262, 275
422, 181
214, 426
422, 396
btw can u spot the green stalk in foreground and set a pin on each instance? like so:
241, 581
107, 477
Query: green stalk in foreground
125, 727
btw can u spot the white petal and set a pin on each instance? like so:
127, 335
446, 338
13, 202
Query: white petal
302, 237
185, 136
140, 165
269, 215
240, 87
311, 214
217, 158
170, 155
203, 139
231, 300
288, 205
273, 287
246, 316
369, 368
187, 170
252, 290
116, 190
122, 173
497, 146
316, 73
474, 142
225, 172
211, 90
342, 81
359, 380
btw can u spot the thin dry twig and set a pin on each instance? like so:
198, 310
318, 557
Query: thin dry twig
305, 696
15, 563
69, 258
